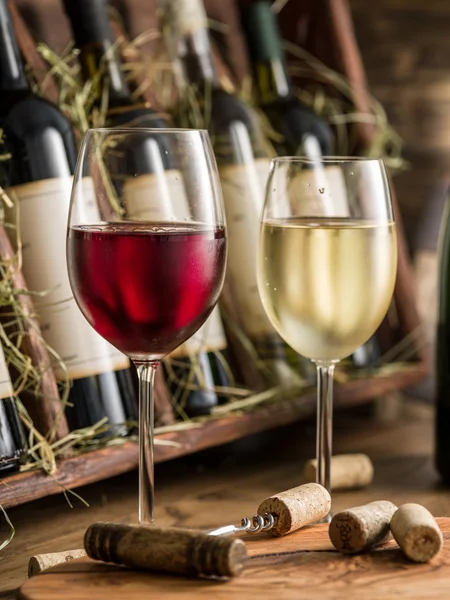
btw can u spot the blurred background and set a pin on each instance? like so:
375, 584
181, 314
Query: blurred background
395, 50
375, 75
404, 45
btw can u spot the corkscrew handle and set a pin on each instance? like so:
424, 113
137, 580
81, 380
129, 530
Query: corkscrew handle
171, 549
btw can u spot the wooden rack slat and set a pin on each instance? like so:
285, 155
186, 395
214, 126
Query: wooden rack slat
46, 411
108, 462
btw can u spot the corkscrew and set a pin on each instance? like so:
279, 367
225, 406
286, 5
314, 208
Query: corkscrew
284, 512
256, 524
137, 546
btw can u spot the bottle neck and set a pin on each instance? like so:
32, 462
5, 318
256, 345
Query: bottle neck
194, 60
266, 51
189, 43
272, 81
98, 52
12, 73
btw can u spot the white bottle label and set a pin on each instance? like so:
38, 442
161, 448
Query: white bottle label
156, 197
6, 388
243, 188
426, 270
188, 16
318, 192
85, 210
43, 211
209, 338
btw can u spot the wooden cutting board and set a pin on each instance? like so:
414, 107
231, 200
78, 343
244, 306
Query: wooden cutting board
301, 565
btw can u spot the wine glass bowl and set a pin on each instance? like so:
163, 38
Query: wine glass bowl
146, 250
327, 263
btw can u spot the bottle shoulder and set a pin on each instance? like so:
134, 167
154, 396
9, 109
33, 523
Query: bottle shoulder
39, 139
129, 114
25, 112
294, 120
229, 107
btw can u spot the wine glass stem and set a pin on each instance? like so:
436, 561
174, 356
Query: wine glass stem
324, 438
146, 374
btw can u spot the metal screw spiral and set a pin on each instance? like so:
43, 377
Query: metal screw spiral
257, 523
254, 525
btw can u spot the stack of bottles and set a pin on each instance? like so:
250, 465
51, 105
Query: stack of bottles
41, 142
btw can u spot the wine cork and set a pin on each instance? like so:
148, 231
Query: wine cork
360, 528
41, 562
348, 471
172, 550
296, 508
416, 532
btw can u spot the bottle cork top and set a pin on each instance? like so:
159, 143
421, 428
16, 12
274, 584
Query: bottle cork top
185, 16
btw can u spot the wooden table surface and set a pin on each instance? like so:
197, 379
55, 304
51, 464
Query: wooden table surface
225, 484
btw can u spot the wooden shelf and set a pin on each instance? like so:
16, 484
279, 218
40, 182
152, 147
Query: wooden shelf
328, 35
107, 462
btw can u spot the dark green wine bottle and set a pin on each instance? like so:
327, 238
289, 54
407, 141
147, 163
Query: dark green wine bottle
442, 357
297, 123
303, 132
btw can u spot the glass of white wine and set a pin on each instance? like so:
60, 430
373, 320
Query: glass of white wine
327, 263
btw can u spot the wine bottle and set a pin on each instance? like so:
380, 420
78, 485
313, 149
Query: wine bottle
101, 64
243, 163
303, 132
40, 141
442, 353
424, 247
159, 179
12, 439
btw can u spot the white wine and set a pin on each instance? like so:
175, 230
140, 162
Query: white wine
326, 283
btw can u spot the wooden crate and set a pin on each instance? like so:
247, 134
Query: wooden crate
324, 27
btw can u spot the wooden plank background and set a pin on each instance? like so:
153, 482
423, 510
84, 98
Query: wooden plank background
405, 46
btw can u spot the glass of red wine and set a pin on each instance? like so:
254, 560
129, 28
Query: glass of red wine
146, 252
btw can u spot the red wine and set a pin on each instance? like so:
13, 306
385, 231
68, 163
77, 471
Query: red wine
146, 289
43, 153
